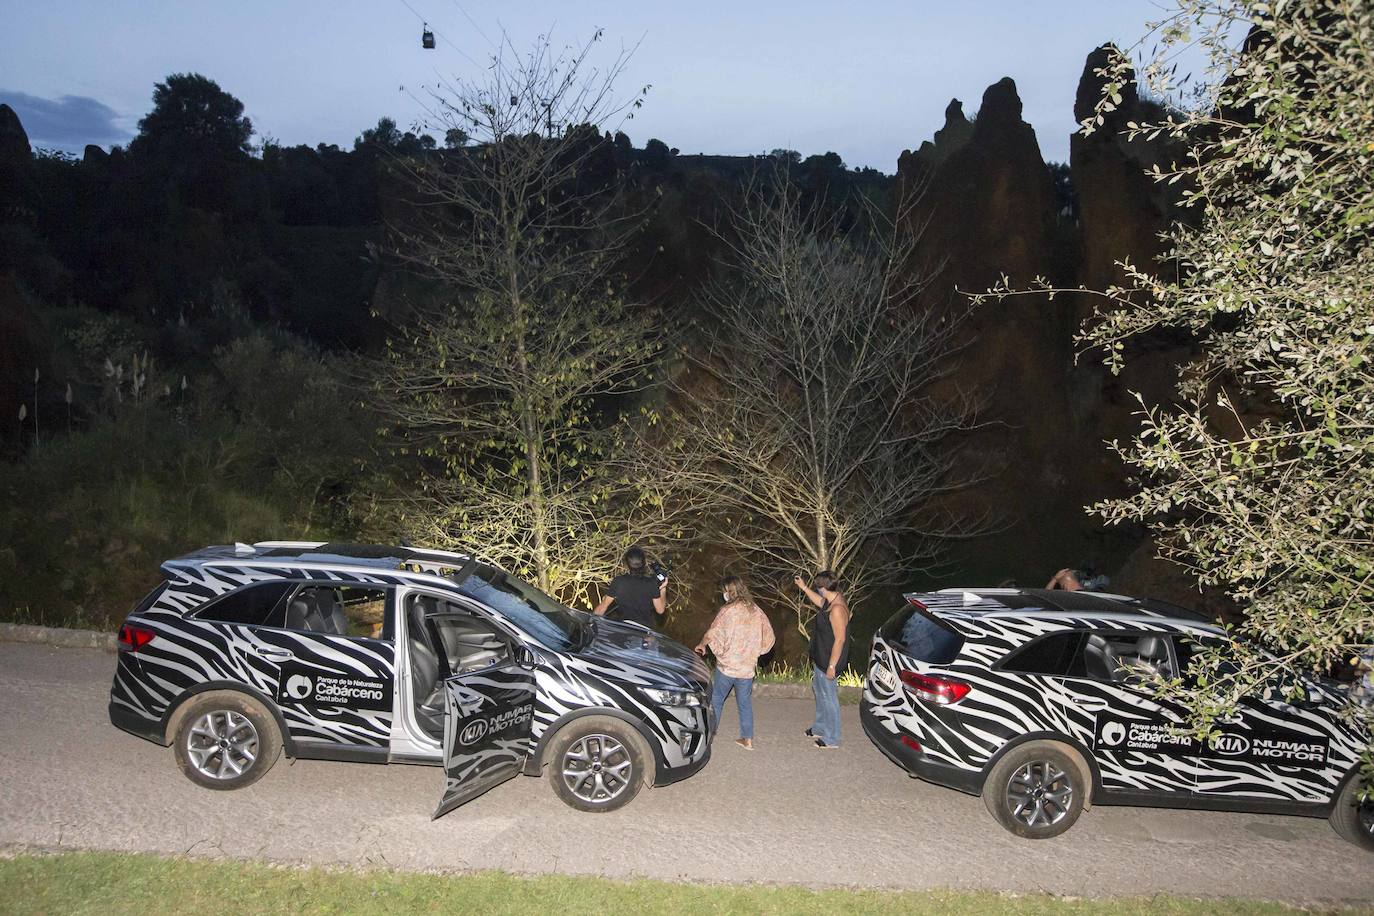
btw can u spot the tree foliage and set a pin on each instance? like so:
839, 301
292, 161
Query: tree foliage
192, 115
811, 422
1261, 477
513, 379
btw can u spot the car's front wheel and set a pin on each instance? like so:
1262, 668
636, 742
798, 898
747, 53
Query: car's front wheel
225, 740
1352, 817
598, 763
1036, 790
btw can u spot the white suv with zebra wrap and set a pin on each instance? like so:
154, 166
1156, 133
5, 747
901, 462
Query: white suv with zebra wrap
1044, 703
381, 654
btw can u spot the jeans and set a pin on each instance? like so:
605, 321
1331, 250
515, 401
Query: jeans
721, 685
827, 691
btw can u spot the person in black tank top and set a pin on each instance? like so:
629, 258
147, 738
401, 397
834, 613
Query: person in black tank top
829, 654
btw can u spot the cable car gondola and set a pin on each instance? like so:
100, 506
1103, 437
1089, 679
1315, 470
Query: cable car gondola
427, 38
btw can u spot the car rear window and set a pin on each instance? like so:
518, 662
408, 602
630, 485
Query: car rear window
253, 605
1056, 655
915, 632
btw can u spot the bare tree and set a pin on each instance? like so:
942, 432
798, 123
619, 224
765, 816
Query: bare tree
810, 420
511, 381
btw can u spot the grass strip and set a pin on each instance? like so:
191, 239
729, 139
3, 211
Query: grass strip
115, 883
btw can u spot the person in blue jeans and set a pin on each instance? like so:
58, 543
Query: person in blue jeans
829, 654
737, 637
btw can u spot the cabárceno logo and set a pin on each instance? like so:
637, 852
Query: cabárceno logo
299, 686
309, 686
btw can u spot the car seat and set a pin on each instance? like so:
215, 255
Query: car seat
333, 620
1153, 653
425, 689
471, 645
1100, 660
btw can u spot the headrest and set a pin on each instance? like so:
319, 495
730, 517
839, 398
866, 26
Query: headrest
1151, 647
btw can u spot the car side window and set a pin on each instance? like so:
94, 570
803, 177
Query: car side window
1056, 655
469, 643
339, 610
253, 605
1134, 659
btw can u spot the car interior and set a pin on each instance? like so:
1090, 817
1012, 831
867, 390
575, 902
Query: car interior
1128, 660
426, 688
464, 644
317, 610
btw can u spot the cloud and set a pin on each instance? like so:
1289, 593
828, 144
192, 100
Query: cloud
69, 122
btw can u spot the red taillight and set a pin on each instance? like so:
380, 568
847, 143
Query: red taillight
911, 743
935, 689
132, 638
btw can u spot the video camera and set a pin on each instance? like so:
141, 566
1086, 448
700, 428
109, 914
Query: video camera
661, 570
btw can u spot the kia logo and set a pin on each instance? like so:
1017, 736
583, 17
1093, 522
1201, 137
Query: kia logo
1231, 745
473, 732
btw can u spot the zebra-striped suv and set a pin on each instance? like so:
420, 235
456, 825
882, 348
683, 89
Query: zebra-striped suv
383, 654
1044, 703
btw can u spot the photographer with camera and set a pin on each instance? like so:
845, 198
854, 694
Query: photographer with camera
635, 596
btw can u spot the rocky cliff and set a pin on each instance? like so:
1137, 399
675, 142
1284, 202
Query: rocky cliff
990, 209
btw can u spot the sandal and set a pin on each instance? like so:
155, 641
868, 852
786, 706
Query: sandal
826, 747
741, 743
809, 733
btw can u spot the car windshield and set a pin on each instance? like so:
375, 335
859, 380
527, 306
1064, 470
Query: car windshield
525, 606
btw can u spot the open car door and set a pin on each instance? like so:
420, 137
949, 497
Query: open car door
488, 715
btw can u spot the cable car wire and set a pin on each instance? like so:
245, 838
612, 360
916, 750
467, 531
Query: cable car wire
425, 24
474, 24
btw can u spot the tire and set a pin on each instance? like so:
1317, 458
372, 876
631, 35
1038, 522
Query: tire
598, 763
1352, 819
1037, 790
225, 740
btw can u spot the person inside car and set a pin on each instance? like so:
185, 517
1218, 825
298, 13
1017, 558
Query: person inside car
636, 597
1084, 578
737, 637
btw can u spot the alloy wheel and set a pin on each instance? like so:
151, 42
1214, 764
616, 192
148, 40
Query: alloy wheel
222, 744
1039, 794
597, 768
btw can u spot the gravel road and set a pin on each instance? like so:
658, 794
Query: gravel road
785, 813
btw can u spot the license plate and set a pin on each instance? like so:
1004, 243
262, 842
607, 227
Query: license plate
884, 676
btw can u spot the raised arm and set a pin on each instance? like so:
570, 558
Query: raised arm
814, 597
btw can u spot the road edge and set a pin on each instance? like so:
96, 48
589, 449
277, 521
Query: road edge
58, 636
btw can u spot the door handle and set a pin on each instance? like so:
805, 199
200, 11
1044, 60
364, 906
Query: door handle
1228, 720
1091, 706
276, 655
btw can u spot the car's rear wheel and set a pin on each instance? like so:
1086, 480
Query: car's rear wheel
1036, 790
225, 740
1352, 818
598, 763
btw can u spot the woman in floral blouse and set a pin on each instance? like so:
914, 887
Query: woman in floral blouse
737, 637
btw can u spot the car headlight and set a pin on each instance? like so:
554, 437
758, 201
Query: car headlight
672, 697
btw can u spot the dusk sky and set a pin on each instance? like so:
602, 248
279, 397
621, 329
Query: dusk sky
865, 81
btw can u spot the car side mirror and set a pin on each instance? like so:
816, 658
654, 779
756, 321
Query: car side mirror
524, 657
